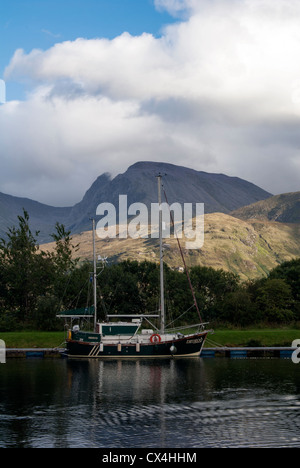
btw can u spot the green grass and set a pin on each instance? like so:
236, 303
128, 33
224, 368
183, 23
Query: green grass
33, 339
254, 337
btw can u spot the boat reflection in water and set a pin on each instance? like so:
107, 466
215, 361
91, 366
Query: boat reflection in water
130, 400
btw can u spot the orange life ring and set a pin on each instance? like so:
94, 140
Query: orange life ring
155, 338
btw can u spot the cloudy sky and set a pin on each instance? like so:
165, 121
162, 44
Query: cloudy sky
94, 86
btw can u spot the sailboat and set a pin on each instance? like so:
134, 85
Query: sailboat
122, 336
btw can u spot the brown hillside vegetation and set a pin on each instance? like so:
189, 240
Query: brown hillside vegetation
249, 248
284, 208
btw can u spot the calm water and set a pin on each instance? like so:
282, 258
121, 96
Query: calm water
189, 403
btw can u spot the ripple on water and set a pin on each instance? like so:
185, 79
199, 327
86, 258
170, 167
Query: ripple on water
249, 422
190, 404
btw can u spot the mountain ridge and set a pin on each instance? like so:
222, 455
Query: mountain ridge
218, 192
42, 217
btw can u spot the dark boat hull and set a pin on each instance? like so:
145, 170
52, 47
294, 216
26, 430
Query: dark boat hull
183, 347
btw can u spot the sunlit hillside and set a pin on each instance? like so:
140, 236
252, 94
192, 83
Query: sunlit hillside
248, 248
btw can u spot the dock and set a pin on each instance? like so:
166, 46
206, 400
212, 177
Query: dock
250, 352
34, 352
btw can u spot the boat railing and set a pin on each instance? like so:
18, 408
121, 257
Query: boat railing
132, 316
188, 327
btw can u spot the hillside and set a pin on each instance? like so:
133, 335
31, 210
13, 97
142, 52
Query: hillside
248, 248
284, 208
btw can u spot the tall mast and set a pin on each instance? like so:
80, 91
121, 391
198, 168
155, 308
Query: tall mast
162, 295
94, 277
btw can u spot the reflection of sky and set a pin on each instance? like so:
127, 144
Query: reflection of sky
2, 92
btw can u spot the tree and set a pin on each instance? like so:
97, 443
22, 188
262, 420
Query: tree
274, 300
179, 298
211, 287
290, 272
63, 257
24, 269
119, 289
238, 308
63, 260
33, 282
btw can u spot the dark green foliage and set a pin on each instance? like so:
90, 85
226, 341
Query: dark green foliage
238, 308
274, 301
32, 281
119, 286
133, 287
23, 269
290, 273
212, 287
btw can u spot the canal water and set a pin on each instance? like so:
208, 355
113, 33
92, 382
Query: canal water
188, 403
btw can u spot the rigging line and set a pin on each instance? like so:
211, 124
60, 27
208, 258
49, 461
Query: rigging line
215, 344
152, 325
102, 302
75, 300
177, 318
112, 296
182, 256
88, 294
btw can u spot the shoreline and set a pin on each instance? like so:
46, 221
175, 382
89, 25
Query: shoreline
256, 341
284, 352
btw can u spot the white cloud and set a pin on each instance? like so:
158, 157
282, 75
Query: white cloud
218, 91
175, 6
2, 92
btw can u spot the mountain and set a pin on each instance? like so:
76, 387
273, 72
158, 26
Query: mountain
42, 217
247, 230
284, 208
219, 193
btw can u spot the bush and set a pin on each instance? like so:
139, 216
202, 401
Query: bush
9, 321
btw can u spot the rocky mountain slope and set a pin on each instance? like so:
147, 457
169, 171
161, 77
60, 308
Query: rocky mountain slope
218, 192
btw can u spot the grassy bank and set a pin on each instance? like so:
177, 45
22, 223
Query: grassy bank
254, 337
33, 339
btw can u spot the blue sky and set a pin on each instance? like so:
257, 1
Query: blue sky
31, 24
94, 86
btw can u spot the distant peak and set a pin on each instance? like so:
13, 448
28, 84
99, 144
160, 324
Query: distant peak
153, 165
